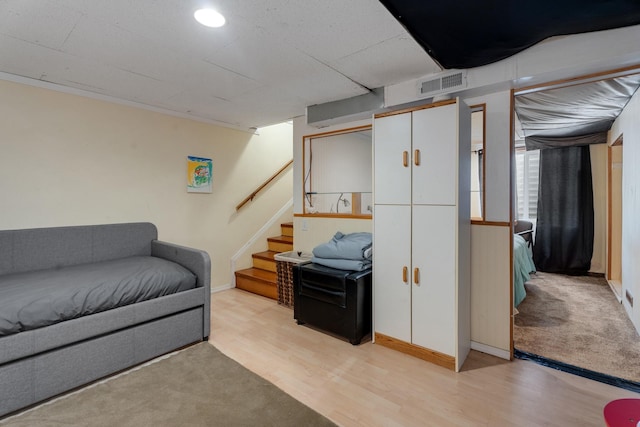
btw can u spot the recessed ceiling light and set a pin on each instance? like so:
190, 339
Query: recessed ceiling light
209, 18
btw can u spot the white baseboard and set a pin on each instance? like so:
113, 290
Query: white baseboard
616, 288
498, 352
222, 288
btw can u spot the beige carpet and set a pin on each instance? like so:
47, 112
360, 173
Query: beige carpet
198, 386
578, 321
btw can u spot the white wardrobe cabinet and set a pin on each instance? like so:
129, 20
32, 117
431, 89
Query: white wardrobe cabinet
421, 232
391, 270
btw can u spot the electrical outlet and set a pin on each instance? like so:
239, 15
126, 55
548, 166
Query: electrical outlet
305, 225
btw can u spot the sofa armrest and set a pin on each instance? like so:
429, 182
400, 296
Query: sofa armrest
197, 261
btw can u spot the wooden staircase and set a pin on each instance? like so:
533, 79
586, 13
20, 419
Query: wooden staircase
262, 278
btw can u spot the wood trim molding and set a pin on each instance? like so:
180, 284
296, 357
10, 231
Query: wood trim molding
432, 356
618, 72
512, 165
337, 132
304, 172
618, 141
363, 216
491, 223
609, 211
329, 215
411, 109
310, 137
484, 160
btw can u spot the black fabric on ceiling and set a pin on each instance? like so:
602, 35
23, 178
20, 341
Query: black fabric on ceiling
470, 33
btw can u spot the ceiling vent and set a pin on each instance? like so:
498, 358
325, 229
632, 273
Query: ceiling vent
444, 83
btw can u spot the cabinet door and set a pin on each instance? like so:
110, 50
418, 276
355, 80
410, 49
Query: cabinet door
435, 138
392, 254
433, 297
392, 145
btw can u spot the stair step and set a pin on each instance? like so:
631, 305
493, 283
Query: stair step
265, 260
280, 243
258, 274
287, 229
262, 278
258, 281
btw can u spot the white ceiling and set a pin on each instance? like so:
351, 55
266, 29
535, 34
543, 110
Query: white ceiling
271, 60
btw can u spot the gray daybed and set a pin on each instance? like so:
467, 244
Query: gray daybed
80, 303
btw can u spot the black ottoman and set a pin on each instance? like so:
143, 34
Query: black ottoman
337, 301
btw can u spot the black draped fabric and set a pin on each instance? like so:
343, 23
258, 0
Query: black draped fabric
564, 228
471, 33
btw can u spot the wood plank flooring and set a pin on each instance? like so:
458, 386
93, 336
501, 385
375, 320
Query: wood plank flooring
370, 385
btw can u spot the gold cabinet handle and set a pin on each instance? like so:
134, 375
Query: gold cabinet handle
416, 157
416, 276
405, 270
405, 159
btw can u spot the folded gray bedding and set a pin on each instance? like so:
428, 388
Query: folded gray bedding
353, 246
343, 264
39, 298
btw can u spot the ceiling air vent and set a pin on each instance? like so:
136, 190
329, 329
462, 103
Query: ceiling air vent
449, 82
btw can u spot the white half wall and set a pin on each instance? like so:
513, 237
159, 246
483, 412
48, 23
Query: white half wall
490, 286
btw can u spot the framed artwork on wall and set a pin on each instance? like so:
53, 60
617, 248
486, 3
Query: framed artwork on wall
199, 174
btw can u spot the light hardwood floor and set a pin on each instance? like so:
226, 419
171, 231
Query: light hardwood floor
369, 385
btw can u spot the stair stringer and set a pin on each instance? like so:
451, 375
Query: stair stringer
261, 234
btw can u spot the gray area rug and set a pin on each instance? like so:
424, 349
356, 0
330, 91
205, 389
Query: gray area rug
198, 386
578, 321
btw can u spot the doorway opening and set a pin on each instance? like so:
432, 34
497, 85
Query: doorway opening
602, 343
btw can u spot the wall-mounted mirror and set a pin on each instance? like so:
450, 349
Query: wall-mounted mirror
337, 175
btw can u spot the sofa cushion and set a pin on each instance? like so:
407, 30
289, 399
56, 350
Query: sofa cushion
35, 299
33, 249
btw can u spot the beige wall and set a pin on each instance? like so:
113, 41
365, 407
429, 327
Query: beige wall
67, 160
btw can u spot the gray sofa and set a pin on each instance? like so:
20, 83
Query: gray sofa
37, 363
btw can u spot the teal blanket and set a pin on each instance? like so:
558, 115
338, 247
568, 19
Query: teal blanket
522, 266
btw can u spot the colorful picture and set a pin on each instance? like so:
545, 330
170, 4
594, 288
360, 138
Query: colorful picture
199, 174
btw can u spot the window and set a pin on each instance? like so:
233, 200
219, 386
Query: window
338, 173
527, 168
477, 161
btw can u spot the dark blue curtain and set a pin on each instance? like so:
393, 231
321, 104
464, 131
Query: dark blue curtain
564, 228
